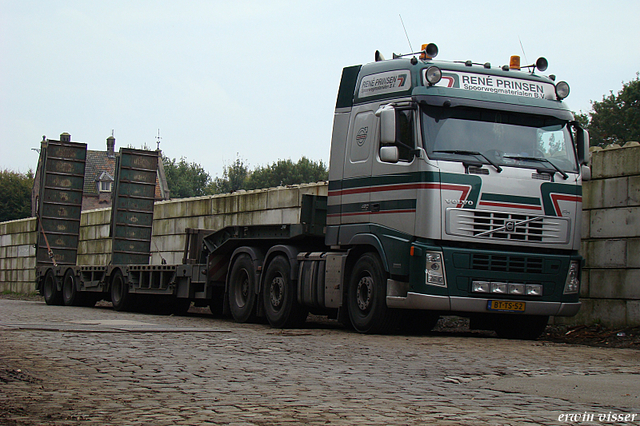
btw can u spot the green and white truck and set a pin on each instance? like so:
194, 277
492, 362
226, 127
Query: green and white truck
454, 189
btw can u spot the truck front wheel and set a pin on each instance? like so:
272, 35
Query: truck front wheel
367, 296
280, 297
242, 289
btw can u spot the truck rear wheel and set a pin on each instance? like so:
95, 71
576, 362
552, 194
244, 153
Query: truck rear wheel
367, 296
242, 289
280, 296
70, 294
52, 296
121, 299
525, 327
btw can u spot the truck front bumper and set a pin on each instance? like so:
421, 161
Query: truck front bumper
473, 304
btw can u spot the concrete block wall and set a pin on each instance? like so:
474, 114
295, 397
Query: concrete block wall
266, 206
610, 291
18, 255
94, 246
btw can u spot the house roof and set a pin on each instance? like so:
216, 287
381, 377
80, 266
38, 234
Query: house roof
97, 163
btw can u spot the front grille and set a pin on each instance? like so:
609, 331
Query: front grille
507, 226
507, 263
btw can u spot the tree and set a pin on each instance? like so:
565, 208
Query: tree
616, 119
15, 195
185, 179
190, 179
234, 178
286, 172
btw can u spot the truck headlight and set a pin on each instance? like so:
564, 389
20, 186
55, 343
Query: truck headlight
480, 286
572, 285
499, 288
533, 290
435, 269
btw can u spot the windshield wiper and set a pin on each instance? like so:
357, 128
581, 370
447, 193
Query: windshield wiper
539, 160
465, 152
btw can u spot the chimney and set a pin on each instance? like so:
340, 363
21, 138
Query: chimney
111, 147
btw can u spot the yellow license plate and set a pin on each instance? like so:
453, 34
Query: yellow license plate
505, 306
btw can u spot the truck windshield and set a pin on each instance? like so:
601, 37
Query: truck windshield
500, 138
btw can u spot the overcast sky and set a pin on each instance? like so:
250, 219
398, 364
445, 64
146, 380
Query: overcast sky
259, 79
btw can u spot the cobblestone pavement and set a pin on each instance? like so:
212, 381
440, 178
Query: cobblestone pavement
95, 366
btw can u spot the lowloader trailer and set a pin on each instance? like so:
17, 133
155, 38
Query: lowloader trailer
454, 189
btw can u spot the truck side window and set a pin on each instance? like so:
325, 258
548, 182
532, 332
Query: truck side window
405, 135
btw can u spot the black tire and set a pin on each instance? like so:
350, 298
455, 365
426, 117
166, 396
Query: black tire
121, 299
418, 323
70, 294
280, 296
524, 327
242, 289
52, 296
216, 304
367, 297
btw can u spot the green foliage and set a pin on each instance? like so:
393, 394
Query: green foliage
616, 119
185, 179
190, 179
286, 172
582, 119
15, 195
233, 178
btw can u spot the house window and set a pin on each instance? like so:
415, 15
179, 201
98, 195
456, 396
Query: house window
104, 186
105, 182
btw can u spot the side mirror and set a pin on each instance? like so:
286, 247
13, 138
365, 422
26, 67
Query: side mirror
387, 116
389, 154
585, 171
583, 146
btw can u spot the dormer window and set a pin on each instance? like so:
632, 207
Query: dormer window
105, 182
105, 186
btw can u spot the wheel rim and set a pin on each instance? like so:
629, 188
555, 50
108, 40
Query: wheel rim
364, 293
242, 292
276, 292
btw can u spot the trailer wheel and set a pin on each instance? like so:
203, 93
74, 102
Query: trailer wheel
70, 294
367, 293
52, 296
525, 327
121, 299
280, 297
242, 289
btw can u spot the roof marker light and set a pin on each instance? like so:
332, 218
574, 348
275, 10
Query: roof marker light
514, 62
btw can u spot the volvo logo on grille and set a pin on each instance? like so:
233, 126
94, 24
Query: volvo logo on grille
510, 226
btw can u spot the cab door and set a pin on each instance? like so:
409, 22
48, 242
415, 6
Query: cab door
396, 181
